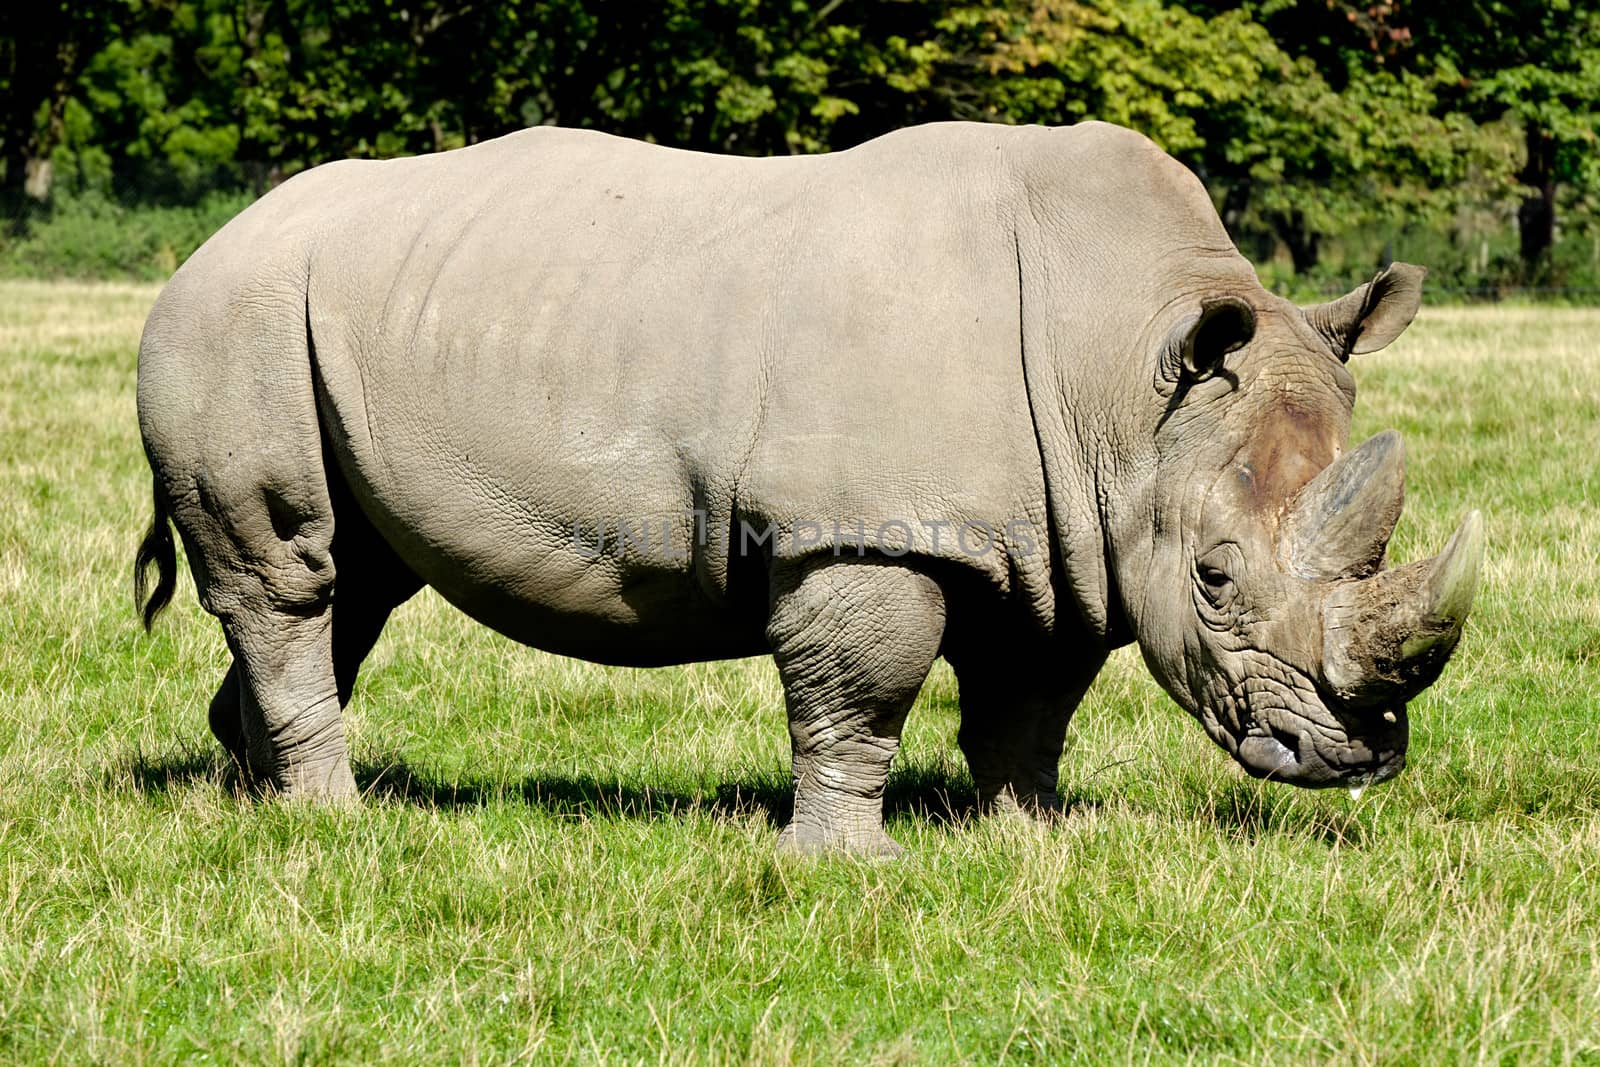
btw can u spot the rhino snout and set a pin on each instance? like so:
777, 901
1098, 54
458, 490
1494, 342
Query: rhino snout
1311, 756
1280, 724
1338, 716
1385, 638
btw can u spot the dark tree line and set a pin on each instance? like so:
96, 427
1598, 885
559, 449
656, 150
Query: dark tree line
1307, 118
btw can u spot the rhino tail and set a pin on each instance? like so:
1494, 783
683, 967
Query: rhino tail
156, 548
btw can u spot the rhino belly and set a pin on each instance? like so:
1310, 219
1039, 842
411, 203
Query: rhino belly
564, 530
576, 584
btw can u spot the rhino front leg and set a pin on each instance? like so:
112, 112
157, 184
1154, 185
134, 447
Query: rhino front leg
1013, 726
853, 641
227, 720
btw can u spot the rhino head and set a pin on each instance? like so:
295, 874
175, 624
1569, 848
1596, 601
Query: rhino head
1263, 604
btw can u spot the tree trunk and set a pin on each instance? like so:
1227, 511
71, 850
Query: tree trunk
249, 22
1304, 243
1234, 202
40, 175
39, 171
1536, 217
19, 63
29, 171
11, 194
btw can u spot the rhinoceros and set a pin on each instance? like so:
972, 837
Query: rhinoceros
1004, 395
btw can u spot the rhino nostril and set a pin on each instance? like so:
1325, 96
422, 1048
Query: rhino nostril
1288, 740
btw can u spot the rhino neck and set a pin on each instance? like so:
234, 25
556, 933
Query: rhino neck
1108, 231
1072, 443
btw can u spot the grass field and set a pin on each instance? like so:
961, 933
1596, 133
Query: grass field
557, 861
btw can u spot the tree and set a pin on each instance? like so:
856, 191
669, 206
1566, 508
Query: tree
1306, 118
1539, 63
1533, 62
1283, 145
43, 48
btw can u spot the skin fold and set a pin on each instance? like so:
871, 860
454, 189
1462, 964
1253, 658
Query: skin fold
1004, 395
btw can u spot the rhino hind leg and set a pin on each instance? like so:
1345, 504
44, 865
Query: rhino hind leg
853, 641
357, 622
289, 702
371, 582
1013, 728
258, 526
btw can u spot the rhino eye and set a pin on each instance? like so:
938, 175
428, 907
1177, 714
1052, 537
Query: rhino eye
1215, 582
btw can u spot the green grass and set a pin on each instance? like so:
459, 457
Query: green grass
557, 861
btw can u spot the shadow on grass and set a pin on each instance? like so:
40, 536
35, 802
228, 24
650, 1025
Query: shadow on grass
1251, 811
926, 793
160, 773
929, 793
936, 794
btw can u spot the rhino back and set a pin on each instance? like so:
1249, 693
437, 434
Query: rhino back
563, 328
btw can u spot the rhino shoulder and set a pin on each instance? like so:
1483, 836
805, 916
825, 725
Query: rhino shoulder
1119, 184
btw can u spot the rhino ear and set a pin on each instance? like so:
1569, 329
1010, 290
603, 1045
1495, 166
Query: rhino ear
1197, 346
1372, 316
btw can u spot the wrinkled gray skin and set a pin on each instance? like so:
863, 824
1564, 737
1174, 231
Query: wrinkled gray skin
427, 370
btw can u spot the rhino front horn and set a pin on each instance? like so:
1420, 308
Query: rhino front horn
1339, 524
1387, 637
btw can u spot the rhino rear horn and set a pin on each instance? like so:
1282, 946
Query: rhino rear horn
1372, 316
1339, 524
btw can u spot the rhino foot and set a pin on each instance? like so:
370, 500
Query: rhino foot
811, 841
1008, 803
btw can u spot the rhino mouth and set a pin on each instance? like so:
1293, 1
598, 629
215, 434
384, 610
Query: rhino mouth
1283, 757
1286, 729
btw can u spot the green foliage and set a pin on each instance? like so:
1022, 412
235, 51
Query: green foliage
1497, 93
1143, 64
95, 236
1536, 60
1314, 122
128, 103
